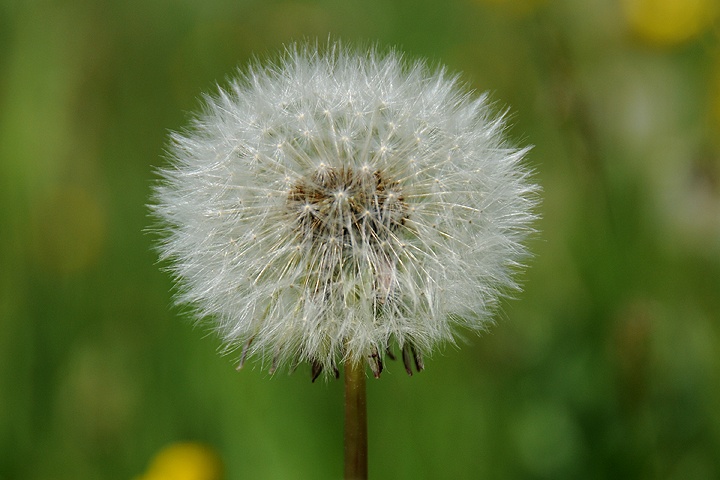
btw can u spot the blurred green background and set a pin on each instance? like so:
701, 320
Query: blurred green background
606, 366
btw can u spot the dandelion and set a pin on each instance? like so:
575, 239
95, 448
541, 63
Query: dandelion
335, 206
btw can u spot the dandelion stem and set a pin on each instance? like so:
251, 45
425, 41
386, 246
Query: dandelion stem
355, 422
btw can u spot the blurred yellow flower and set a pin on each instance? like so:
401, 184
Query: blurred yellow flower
185, 461
669, 22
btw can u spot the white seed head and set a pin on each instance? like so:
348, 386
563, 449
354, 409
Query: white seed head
334, 203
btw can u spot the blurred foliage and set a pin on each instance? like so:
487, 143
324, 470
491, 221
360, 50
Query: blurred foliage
607, 366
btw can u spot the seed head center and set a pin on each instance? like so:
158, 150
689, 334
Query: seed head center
354, 207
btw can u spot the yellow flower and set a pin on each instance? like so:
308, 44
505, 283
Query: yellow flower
185, 461
669, 22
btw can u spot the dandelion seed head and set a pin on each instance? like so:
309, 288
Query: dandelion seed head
332, 204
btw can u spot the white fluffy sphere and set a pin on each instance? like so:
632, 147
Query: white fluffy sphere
334, 203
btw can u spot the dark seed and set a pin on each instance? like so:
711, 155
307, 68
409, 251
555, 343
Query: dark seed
243, 355
376, 363
274, 365
407, 358
419, 365
317, 369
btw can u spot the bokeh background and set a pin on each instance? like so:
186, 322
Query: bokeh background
606, 366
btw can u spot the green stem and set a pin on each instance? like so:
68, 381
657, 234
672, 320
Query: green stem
355, 422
